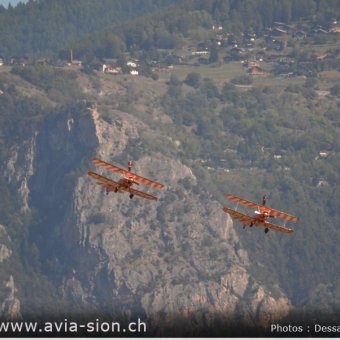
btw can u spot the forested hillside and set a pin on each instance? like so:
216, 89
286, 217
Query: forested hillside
166, 30
214, 97
43, 27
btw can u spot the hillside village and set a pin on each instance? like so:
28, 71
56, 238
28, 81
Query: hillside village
281, 52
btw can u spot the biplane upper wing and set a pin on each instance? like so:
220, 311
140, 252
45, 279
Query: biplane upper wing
126, 173
278, 228
242, 201
103, 181
245, 219
263, 208
277, 213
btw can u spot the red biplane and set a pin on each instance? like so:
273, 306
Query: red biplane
125, 183
261, 217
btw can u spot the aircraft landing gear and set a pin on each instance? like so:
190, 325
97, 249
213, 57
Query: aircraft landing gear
266, 230
131, 196
116, 190
251, 224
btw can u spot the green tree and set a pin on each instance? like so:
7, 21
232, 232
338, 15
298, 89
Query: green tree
213, 58
193, 79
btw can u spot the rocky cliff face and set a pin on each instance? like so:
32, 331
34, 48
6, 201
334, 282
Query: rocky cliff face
175, 258
177, 262
10, 304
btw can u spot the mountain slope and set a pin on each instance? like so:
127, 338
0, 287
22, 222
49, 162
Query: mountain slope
204, 130
177, 258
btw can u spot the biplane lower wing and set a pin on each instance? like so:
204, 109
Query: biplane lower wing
105, 182
126, 173
245, 219
278, 228
263, 208
141, 194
